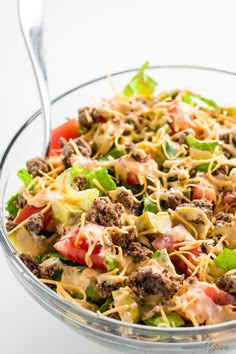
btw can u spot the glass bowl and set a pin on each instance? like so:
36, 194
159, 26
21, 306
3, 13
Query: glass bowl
27, 143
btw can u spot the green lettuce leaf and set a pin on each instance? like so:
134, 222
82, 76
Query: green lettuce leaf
113, 153
149, 206
106, 305
111, 262
201, 145
226, 260
199, 101
158, 320
141, 84
102, 176
24, 176
10, 205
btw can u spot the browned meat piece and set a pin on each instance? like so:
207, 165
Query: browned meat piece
87, 116
21, 201
67, 152
145, 281
80, 183
138, 155
35, 223
123, 237
203, 204
10, 225
49, 272
227, 154
227, 282
171, 201
36, 165
83, 147
105, 213
222, 170
31, 264
225, 138
129, 202
181, 136
106, 287
129, 147
223, 218
138, 252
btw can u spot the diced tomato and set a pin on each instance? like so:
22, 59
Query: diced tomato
182, 115
167, 242
68, 130
101, 120
219, 297
206, 192
132, 178
26, 212
229, 198
67, 247
29, 210
162, 242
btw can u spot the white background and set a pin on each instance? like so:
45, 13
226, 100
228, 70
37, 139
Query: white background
86, 39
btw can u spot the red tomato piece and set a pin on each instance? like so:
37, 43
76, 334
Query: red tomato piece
229, 198
132, 178
182, 115
167, 242
26, 212
162, 242
219, 297
67, 130
101, 120
67, 248
206, 192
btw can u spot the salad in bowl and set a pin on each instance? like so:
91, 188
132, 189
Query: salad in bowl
132, 213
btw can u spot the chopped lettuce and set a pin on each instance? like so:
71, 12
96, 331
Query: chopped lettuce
106, 305
226, 260
102, 176
92, 294
170, 149
149, 206
10, 205
57, 275
201, 149
141, 84
199, 101
115, 153
174, 319
24, 176
110, 261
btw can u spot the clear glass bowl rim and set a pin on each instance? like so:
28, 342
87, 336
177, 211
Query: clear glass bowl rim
64, 306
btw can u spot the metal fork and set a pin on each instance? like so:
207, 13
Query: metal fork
31, 21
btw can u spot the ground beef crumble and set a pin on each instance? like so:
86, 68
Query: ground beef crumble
31, 264
171, 201
21, 202
87, 116
127, 199
37, 164
105, 213
202, 204
227, 282
106, 287
146, 282
10, 225
35, 223
80, 183
223, 218
68, 150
